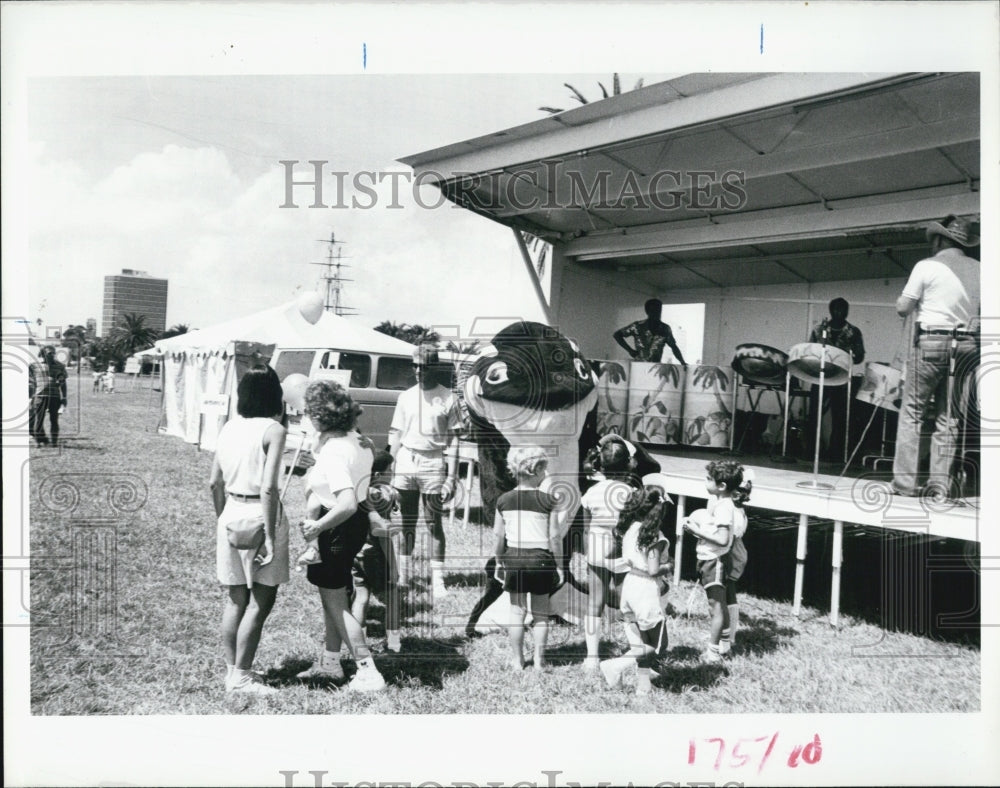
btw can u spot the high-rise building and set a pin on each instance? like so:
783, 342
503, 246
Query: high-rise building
91, 330
134, 291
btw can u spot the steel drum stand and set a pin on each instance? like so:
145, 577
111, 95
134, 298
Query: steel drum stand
785, 458
815, 483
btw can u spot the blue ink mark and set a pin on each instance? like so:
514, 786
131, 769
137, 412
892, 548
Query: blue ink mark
762, 39
364, 53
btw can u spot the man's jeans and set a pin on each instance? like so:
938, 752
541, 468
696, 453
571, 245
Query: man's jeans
927, 375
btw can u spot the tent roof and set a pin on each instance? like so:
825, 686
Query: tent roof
843, 167
285, 327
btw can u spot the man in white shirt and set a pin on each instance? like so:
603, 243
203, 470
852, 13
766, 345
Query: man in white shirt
423, 441
943, 290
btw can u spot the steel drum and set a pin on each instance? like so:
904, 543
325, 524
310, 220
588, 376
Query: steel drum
804, 363
882, 387
760, 364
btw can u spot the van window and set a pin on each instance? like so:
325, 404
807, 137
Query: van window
360, 365
395, 374
290, 361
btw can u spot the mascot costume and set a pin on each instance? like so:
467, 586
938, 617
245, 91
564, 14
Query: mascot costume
531, 386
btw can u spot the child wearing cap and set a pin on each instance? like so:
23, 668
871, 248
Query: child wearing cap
528, 549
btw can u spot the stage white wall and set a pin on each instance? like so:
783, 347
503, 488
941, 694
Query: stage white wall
592, 304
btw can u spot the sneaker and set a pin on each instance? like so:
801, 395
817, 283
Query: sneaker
590, 665
367, 680
612, 674
249, 684
393, 642
712, 656
324, 669
725, 647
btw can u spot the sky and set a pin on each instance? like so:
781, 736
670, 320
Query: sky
181, 177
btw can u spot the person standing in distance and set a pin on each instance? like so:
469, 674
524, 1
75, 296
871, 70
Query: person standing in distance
423, 440
47, 392
649, 336
943, 290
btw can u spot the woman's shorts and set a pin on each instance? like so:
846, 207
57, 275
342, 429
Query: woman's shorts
337, 549
229, 567
529, 571
641, 601
714, 571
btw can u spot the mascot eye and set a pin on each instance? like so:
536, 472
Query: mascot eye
497, 373
581, 369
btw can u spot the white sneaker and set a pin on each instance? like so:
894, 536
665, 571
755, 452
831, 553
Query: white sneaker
367, 680
330, 669
393, 642
712, 656
590, 664
612, 674
249, 684
724, 648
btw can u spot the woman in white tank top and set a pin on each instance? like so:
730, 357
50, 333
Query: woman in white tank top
244, 484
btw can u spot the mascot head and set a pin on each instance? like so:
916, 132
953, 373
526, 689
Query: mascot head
532, 384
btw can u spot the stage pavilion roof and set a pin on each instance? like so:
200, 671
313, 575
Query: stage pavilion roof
831, 176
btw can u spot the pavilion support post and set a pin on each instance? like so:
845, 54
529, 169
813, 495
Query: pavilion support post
837, 560
800, 564
533, 275
679, 539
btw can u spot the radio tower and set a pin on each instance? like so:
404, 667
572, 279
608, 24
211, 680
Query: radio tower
334, 281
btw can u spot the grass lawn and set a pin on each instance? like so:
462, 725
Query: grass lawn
126, 609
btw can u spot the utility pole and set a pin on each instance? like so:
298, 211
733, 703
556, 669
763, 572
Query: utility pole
332, 277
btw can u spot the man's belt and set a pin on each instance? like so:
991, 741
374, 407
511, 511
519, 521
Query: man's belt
945, 331
243, 498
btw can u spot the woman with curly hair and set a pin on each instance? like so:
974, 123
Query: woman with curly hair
244, 484
338, 482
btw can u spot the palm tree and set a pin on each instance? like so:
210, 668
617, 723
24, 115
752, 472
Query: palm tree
616, 89
175, 330
133, 334
412, 333
73, 338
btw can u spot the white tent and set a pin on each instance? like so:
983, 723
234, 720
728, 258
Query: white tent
202, 368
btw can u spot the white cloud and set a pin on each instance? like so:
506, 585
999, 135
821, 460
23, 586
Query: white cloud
228, 248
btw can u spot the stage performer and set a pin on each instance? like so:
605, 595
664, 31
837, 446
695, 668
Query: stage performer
530, 386
943, 290
423, 440
650, 336
835, 330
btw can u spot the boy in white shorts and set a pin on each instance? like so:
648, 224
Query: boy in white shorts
423, 441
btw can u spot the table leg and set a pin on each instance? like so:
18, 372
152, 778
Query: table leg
679, 538
800, 564
837, 560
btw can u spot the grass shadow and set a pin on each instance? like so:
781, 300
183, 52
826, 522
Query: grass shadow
760, 635
424, 662
677, 678
286, 675
476, 579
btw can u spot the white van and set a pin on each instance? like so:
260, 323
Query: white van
376, 382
